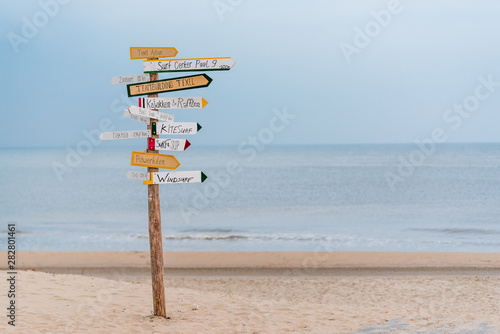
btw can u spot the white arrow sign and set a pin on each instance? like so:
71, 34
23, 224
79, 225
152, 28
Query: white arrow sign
130, 79
151, 114
125, 134
176, 177
137, 118
138, 175
168, 144
175, 128
172, 102
191, 64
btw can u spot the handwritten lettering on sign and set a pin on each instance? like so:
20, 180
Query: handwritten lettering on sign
144, 53
186, 65
128, 79
175, 128
169, 85
176, 177
132, 134
172, 102
154, 160
168, 144
151, 114
138, 175
141, 119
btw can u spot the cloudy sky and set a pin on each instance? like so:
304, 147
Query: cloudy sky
349, 71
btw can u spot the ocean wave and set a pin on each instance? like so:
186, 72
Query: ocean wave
213, 235
215, 230
456, 230
16, 232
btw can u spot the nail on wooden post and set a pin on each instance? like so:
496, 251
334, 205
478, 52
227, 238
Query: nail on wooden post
155, 236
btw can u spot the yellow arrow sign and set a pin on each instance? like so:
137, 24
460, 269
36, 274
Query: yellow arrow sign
144, 53
169, 85
154, 160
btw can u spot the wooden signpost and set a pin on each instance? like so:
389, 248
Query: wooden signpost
168, 85
147, 113
155, 235
173, 103
186, 65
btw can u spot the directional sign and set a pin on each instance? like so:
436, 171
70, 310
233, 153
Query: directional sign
172, 102
138, 175
169, 85
176, 177
144, 53
154, 160
186, 65
151, 114
175, 128
157, 144
128, 79
137, 118
125, 134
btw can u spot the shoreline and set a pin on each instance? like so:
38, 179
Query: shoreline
259, 260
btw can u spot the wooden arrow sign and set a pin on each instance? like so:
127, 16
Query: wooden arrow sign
128, 79
151, 114
175, 128
186, 65
154, 160
141, 119
144, 53
157, 144
133, 134
176, 177
169, 85
172, 102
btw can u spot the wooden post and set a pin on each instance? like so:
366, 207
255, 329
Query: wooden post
155, 236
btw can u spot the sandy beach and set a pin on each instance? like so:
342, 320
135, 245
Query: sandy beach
257, 292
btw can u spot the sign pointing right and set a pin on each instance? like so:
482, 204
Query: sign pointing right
174, 128
176, 177
172, 102
169, 85
187, 65
144, 53
168, 144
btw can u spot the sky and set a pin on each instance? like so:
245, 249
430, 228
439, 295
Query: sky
345, 72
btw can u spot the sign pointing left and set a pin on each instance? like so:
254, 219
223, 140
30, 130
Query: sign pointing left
128, 79
125, 134
142, 119
151, 114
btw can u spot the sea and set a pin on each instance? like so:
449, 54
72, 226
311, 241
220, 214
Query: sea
396, 197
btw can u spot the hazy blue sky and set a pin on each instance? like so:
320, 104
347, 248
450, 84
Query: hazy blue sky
394, 81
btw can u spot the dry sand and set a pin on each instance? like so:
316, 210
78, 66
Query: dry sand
268, 292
